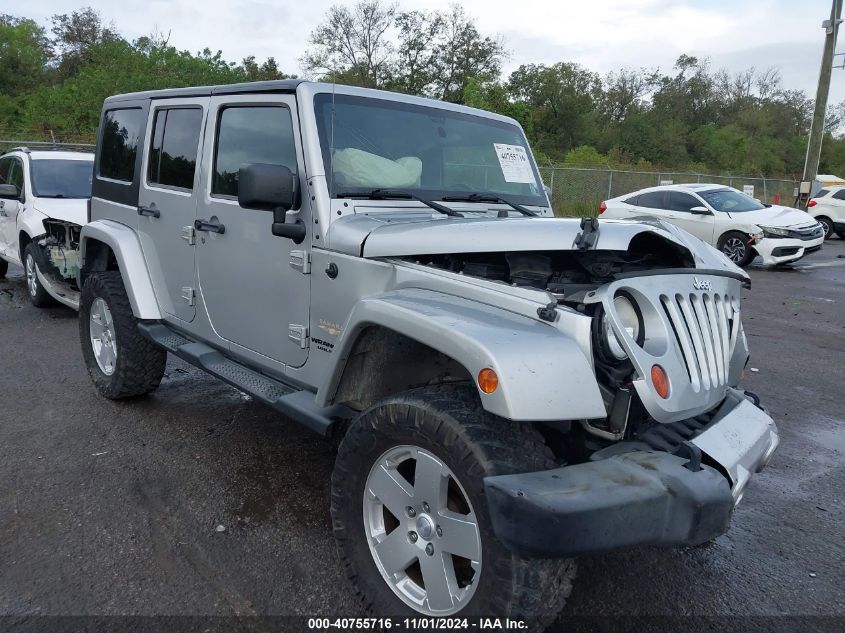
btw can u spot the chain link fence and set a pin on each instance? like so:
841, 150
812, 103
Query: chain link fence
578, 191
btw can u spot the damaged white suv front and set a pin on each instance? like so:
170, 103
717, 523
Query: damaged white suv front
44, 197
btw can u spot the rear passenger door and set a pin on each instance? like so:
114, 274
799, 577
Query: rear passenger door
167, 204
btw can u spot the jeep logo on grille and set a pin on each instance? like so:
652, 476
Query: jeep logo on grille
702, 284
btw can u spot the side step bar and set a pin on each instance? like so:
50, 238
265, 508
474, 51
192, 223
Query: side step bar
293, 402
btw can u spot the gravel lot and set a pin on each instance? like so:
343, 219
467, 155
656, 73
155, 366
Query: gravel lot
113, 509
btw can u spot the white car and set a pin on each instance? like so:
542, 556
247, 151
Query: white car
44, 197
828, 207
740, 226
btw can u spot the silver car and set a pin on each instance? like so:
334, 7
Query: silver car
508, 390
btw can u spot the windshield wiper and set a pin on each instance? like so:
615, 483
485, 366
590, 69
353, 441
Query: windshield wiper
484, 197
388, 194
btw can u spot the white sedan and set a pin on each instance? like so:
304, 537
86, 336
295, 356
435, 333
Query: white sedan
740, 226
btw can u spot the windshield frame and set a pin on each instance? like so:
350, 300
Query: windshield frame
703, 195
321, 99
33, 176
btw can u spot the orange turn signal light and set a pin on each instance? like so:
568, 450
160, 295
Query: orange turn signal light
660, 381
487, 380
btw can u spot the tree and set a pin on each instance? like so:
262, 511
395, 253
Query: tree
75, 36
353, 42
267, 71
415, 67
24, 53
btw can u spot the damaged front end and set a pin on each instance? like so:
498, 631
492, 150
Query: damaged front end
58, 259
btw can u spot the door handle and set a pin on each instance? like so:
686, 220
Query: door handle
211, 227
149, 212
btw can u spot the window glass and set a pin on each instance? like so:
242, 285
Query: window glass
53, 178
173, 156
16, 174
632, 200
682, 201
730, 201
652, 200
5, 165
433, 152
822, 193
251, 134
840, 195
119, 144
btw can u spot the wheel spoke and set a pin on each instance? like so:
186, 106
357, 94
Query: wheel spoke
96, 328
430, 484
460, 536
395, 553
391, 489
107, 355
439, 577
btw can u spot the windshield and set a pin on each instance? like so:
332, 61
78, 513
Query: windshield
730, 200
380, 144
54, 178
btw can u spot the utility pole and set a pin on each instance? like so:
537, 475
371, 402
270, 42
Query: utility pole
814, 143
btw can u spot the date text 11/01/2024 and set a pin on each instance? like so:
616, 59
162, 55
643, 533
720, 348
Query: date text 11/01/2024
413, 624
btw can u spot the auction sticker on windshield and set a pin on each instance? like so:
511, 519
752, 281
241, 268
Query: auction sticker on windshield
514, 162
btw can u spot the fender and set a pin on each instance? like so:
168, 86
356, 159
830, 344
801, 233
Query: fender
31, 222
130, 259
543, 374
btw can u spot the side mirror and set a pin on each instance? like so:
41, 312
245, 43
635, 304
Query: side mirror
271, 188
9, 192
700, 211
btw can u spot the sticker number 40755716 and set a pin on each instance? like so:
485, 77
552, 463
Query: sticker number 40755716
514, 162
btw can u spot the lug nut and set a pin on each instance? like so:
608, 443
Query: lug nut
411, 512
413, 536
439, 531
425, 507
429, 549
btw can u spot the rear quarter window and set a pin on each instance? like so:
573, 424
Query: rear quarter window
822, 193
119, 144
632, 200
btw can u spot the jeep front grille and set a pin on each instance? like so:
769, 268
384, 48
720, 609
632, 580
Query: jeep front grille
706, 327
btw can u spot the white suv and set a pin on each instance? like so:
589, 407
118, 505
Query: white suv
44, 198
828, 207
737, 224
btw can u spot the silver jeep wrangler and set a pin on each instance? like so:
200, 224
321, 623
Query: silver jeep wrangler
508, 390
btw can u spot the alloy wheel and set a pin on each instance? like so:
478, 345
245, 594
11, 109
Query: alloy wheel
31, 276
103, 339
735, 249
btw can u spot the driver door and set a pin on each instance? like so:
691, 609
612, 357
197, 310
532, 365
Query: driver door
255, 297
699, 224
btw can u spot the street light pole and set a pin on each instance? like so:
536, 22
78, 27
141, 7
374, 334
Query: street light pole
814, 143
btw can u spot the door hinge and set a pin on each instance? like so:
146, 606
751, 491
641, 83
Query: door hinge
189, 235
298, 334
301, 260
188, 294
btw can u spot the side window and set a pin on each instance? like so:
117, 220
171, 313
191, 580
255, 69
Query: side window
682, 201
632, 200
173, 154
5, 166
250, 134
119, 144
821, 193
840, 195
652, 200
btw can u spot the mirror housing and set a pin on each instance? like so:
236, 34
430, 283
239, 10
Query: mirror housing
700, 211
266, 187
9, 192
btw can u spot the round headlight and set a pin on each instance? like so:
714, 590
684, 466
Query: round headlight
631, 321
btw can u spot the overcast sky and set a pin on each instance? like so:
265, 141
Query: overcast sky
599, 34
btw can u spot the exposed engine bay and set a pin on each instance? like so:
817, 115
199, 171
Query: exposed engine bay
59, 252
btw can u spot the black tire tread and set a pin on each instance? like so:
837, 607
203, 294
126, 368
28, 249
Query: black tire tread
141, 363
829, 222
539, 587
42, 298
4, 266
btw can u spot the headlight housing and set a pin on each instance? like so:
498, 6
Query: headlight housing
775, 232
632, 320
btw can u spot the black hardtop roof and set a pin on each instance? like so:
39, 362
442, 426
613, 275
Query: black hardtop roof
284, 85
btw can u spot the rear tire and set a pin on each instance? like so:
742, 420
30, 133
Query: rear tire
734, 245
121, 362
448, 424
827, 225
39, 297
841, 235
4, 266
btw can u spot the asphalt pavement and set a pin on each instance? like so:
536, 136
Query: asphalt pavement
197, 500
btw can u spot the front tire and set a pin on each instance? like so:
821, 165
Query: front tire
4, 266
39, 297
735, 247
121, 362
410, 516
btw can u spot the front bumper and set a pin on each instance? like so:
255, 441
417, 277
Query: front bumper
630, 496
785, 250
